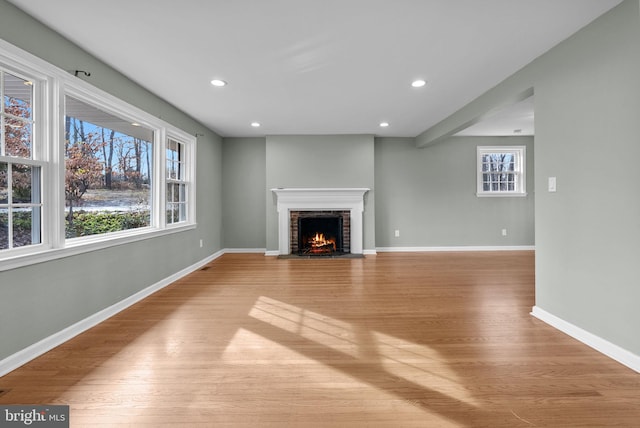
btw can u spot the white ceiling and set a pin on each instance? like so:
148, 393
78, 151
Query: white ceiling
317, 66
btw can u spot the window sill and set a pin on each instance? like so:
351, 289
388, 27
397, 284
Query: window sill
84, 245
501, 195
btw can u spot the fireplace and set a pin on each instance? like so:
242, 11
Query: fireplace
347, 203
320, 233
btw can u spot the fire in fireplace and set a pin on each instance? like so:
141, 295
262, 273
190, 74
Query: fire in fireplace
320, 233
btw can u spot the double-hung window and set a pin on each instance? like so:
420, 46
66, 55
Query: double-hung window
20, 170
176, 205
82, 170
501, 171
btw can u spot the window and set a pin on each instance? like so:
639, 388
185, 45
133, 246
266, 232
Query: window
176, 183
108, 171
20, 205
82, 170
501, 171
17, 116
20, 175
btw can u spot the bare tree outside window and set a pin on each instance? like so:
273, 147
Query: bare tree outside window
107, 172
20, 194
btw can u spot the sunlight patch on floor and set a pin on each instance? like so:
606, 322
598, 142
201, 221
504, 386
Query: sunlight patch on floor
421, 365
250, 347
417, 364
327, 331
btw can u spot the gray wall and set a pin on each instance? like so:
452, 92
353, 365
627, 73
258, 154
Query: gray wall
588, 110
244, 199
429, 195
587, 101
42, 299
320, 161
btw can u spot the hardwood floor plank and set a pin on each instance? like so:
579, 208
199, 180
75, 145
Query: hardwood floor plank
394, 340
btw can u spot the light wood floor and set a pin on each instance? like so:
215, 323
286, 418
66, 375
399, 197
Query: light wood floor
394, 340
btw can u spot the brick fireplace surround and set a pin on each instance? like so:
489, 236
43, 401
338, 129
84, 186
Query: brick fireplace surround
320, 199
296, 215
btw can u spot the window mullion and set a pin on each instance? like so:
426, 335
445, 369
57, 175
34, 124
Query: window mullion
53, 195
10, 205
160, 184
2, 136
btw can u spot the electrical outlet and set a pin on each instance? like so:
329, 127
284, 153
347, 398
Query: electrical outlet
201, 243
504, 232
552, 184
396, 233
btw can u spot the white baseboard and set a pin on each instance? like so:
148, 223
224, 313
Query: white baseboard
609, 349
244, 250
272, 253
22, 357
461, 248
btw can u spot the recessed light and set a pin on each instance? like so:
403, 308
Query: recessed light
384, 124
218, 83
255, 124
418, 83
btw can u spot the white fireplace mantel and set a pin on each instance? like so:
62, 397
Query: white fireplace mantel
319, 199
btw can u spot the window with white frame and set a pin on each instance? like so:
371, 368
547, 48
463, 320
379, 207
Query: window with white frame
80, 168
108, 171
176, 182
20, 173
501, 171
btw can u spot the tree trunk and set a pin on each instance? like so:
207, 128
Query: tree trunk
70, 214
137, 147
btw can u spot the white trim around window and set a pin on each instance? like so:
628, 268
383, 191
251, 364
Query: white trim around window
51, 85
501, 171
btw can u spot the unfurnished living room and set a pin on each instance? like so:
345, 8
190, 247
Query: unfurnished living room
297, 213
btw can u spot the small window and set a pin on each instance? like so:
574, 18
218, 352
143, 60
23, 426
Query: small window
501, 171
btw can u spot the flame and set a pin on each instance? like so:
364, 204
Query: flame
320, 244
